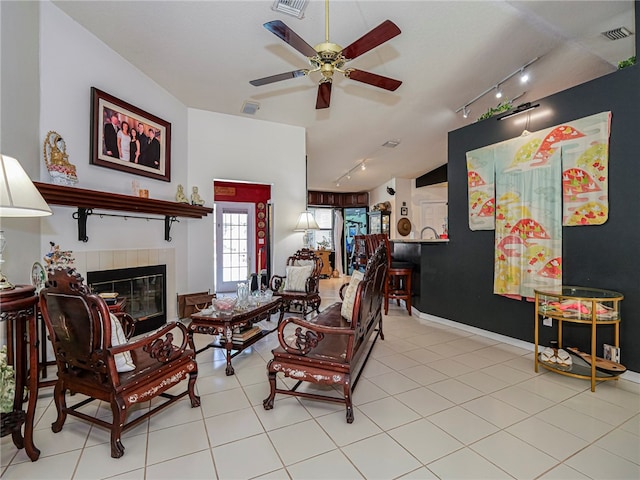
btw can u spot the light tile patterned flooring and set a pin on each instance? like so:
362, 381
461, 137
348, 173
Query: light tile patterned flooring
433, 402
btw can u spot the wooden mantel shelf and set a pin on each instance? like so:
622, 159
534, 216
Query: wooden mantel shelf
87, 200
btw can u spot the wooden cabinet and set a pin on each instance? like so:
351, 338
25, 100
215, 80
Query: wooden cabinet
336, 199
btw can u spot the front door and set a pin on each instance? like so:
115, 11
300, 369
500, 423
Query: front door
235, 242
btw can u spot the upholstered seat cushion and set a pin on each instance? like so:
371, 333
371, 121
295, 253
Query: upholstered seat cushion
350, 295
297, 276
124, 362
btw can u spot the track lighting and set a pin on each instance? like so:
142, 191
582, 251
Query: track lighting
497, 87
347, 176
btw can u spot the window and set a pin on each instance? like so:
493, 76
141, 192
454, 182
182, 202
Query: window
322, 238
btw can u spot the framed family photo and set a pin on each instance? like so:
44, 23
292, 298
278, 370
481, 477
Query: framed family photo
126, 138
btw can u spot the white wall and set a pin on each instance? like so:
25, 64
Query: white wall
430, 193
226, 147
19, 136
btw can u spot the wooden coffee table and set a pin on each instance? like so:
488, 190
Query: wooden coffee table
220, 323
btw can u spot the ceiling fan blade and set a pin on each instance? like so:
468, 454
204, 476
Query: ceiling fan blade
324, 95
277, 78
383, 32
279, 29
374, 79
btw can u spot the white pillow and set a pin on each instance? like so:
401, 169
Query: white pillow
124, 362
350, 295
296, 280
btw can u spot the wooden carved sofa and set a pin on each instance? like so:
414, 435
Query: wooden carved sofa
299, 289
84, 336
332, 348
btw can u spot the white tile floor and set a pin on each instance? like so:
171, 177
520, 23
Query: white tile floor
433, 402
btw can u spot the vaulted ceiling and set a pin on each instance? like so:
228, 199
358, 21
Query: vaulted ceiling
206, 52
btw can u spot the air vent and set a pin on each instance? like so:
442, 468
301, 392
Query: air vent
391, 143
617, 33
295, 8
250, 108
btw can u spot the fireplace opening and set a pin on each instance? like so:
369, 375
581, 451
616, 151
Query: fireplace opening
143, 288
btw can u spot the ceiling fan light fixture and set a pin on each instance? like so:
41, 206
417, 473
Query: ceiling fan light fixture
295, 8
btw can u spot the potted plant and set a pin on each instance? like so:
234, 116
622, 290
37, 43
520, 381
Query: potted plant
627, 63
501, 107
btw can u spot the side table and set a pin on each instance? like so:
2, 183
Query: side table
17, 311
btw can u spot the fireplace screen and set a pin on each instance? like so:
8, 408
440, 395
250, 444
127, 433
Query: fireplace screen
143, 289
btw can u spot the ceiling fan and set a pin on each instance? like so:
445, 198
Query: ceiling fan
328, 58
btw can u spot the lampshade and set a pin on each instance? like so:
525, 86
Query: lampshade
306, 222
19, 197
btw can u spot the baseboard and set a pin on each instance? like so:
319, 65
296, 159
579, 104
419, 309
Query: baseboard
628, 375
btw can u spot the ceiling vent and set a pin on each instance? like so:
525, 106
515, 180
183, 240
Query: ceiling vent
295, 8
391, 143
617, 33
250, 108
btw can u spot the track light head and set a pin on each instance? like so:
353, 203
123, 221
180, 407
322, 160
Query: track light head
524, 76
363, 166
465, 112
498, 91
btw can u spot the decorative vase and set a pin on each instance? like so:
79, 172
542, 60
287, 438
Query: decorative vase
243, 294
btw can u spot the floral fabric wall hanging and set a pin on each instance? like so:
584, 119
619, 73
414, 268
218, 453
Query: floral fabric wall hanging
542, 181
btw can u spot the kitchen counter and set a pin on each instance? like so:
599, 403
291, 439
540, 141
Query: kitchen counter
420, 253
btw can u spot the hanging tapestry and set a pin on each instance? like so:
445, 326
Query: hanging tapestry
528, 238
584, 146
585, 172
480, 175
547, 179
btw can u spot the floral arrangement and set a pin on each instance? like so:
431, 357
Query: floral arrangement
58, 258
7, 383
324, 243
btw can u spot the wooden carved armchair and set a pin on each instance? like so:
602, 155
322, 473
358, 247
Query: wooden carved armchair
85, 336
299, 289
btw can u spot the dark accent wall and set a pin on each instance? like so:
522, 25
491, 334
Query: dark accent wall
457, 282
438, 175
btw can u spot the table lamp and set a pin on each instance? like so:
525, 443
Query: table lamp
19, 197
305, 223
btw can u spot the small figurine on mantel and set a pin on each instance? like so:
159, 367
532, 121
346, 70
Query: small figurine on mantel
180, 196
195, 197
61, 171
